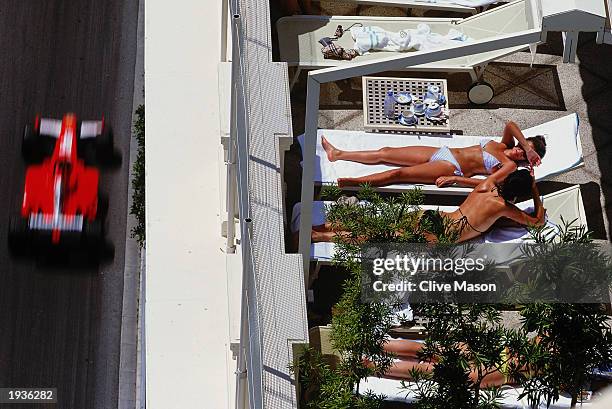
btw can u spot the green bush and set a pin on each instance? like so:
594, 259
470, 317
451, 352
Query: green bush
138, 178
465, 342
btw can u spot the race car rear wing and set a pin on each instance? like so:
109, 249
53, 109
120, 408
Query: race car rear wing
50, 222
50, 127
53, 128
91, 129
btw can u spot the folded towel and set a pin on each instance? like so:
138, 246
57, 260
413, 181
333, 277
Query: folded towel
422, 38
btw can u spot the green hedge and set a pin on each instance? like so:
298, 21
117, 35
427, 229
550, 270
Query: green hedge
138, 178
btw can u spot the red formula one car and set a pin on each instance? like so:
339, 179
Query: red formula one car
61, 204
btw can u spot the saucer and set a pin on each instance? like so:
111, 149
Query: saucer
434, 117
403, 98
402, 120
416, 112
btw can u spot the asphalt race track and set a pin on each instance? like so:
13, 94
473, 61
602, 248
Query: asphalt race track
60, 324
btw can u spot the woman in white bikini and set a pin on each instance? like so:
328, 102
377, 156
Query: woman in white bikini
445, 166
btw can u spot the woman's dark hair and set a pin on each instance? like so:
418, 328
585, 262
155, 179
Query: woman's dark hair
539, 144
517, 184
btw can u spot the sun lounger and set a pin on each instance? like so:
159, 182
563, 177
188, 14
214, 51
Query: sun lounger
299, 36
564, 205
394, 392
564, 152
457, 6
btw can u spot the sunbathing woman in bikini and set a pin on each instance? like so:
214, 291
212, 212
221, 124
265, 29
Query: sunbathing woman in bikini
444, 166
490, 203
407, 352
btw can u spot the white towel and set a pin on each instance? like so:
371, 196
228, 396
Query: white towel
422, 38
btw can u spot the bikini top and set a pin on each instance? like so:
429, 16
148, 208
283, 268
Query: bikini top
490, 162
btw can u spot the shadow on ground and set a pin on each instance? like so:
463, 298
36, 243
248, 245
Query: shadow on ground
595, 67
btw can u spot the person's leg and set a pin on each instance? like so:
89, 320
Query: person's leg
401, 369
403, 347
406, 156
325, 234
425, 173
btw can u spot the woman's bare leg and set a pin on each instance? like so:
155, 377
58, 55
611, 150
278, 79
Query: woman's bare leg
325, 234
404, 347
494, 379
405, 156
401, 369
425, 173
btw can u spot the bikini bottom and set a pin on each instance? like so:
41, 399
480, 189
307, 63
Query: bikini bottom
445, 154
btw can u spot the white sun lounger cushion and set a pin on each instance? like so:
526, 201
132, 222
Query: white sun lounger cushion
564, 152
394, 392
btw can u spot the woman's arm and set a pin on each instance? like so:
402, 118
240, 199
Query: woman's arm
444, 181
497, 177
537, 201
502, 173
525, 219
512, 132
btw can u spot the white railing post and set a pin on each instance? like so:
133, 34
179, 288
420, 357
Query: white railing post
231, 181
313, 89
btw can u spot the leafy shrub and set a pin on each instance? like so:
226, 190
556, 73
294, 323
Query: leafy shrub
138, 178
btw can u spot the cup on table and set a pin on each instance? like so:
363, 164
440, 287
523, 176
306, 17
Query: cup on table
418, 107
433, 109
408, 118
434, 90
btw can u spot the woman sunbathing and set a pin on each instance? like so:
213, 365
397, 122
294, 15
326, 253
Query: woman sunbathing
444, 166
408, 351
490, 203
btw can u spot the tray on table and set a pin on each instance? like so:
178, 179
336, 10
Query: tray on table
374, 92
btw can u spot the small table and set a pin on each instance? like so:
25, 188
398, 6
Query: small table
374, 92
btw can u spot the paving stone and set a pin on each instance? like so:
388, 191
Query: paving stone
477, 122
527, 118
341, 119
525, 57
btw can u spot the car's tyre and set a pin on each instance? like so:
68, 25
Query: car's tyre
102, 206
31, 144
104, 144
481, 93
